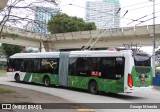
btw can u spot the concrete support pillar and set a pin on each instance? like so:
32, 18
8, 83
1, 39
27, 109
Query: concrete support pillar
41, 47
45, 46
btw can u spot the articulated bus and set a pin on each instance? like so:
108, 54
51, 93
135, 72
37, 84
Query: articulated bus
107, 71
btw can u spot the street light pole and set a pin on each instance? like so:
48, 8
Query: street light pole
154, 44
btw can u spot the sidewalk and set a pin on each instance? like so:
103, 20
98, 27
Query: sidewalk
156, 87
21, 95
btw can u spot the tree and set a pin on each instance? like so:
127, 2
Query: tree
61, 23
20, 12
11, 49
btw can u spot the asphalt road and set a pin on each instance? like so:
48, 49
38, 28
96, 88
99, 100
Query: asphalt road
80, 96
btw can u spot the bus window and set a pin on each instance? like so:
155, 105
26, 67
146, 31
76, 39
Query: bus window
37, 65
120, 64
94, 63
29, 65
16, 63
112, 68
79, 66
142, 60
10, 65
23, 67
72, 66
83, 66
108, 67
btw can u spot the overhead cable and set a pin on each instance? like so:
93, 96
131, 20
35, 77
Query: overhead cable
104, 32
86, 45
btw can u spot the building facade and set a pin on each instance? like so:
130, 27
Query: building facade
103, 13
42, 15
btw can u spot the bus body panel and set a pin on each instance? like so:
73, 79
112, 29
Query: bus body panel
141, 76
113, 86
38, 78
33, 77
106, 85
22, 75
10, 76
128, 68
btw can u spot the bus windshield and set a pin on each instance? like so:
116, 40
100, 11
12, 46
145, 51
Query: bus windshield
142, 59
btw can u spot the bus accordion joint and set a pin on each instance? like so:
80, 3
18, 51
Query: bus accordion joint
130, 81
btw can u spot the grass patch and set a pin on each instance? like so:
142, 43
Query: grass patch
5, 90
2, 72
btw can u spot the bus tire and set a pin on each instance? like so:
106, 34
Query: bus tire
17, 78
46, 81
93, 87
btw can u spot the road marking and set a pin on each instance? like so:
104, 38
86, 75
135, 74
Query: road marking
86, 110
81, 108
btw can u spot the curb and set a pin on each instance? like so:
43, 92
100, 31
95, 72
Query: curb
156, 87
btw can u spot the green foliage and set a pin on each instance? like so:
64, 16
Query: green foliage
11, 49
2, 72
62, 23
5, 90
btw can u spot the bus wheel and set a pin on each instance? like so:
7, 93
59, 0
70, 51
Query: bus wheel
17, 78
93, 87
46, 81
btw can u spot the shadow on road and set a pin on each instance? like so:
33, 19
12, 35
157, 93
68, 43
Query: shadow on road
125, 96
122, 96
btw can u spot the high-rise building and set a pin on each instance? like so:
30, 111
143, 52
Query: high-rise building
42, 15
103, 13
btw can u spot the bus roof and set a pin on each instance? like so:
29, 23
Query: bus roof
98, 53
72, 53
36, 55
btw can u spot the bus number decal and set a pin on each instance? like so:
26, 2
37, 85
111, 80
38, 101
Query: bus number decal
119, 59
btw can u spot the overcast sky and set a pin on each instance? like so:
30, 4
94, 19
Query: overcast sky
134, 12
136, 9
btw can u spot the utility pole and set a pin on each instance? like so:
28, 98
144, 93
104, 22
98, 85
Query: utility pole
154, 44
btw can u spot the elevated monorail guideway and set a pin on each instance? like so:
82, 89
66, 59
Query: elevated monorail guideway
140, 35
